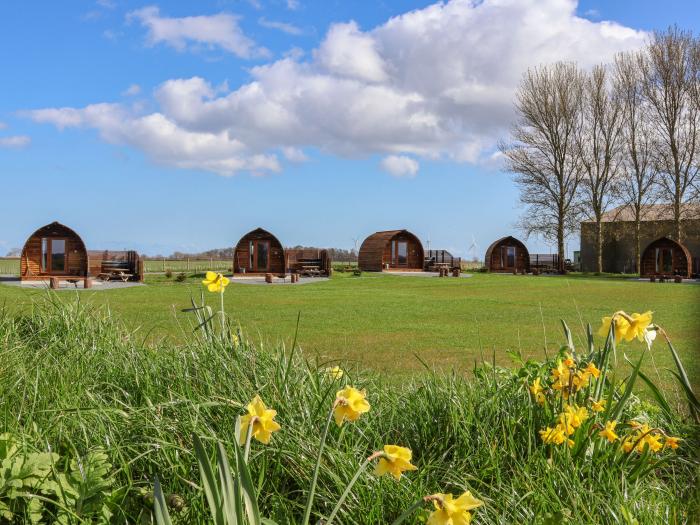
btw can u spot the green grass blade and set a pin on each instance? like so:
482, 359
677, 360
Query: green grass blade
160, 507
209, 483
658, 395
230, 490
685, 383
567, 334
629, 387
247, 487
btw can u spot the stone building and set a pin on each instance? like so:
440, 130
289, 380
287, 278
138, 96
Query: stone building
618, 237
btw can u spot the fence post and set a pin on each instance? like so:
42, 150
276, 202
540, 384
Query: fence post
163, 264
188, 264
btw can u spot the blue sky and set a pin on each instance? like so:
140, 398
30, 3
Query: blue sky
182, 125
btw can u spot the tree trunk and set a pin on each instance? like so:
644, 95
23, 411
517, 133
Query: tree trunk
677, 217
560, 245
637, 243
599, 245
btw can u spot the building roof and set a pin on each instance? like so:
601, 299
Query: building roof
651, 212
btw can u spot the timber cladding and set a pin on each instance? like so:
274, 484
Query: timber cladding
507, 254
53, 250
259, 252
391, 250
666, 257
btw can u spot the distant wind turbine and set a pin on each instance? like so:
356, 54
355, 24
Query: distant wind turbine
473, 249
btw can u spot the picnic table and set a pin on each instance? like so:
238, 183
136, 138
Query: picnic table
115, 274
311, 270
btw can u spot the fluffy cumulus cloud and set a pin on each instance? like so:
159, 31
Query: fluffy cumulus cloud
433, 83
399, 166
215, 31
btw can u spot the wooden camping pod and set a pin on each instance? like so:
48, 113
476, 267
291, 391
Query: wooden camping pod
391, 250
259, 252
507, 254
666, 257
53, 250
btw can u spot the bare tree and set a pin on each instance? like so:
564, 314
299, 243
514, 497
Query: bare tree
669, 75
599, 143
542, 154
638, 180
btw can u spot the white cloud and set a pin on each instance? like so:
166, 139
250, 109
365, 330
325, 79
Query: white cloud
399, 166
132, 90
348, 52
107, 4
293, 5
162, 140
294, 154
2, 125
214, 31
290, 29
433, 83
15, 141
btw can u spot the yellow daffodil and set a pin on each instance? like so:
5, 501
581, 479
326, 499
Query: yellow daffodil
537, 391
645, 437
609, 431
628, 444
556, 435
638, 326
569, 361
573, 416
654, 442
580, 379
262, 420
335, 372
621, 326
592, 370
598, 406
350, 404
215, 282
671, 442
394, 461
560, 378
450, 511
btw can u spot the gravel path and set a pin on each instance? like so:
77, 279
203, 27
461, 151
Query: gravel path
65, 285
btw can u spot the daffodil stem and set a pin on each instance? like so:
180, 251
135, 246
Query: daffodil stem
314, 479
223, 316
409, 511
248, 439
352, 482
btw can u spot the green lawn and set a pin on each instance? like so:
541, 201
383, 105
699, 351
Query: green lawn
392, 323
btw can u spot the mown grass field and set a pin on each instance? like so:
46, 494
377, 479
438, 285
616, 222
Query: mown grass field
396, 323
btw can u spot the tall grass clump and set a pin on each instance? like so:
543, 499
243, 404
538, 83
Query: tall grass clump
79, 389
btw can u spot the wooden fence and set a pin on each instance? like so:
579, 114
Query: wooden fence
9, 266
187, 265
